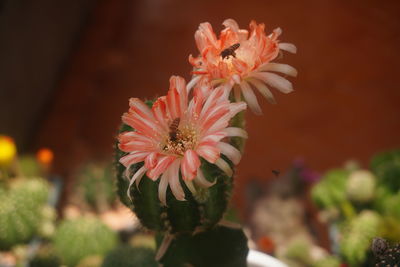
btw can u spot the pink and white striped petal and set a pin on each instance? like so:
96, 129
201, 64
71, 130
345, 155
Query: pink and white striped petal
201, 180
190, 164
209, 153
277, 67
274, 80
174, 182
288, 47
263, 89
250, 98
161, 166
136, 177
235, 131
231, 152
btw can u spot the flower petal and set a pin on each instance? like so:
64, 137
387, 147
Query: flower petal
263, 89
231, 152
250, 98
160, 113
209, 153
133, 158
137, 176
201, 181
223, 165
190, 164
162, 188
288, 47
277, 67
190, 186
151, 160
193, 82
161, 166
235, 131
274, 80
174, 182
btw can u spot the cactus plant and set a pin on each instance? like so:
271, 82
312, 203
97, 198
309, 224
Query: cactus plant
77, 239
357, 236
95, 185
127, 256
360, 186
330, 261
175, 157
330, 191
386, 166
202, 208
21, 210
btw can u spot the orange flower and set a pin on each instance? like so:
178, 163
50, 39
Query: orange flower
172, 136
242, 60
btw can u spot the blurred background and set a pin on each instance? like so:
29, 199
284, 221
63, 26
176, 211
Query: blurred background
68, 68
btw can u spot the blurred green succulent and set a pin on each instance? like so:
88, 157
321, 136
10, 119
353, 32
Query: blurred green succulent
22, 210
96, 185
386, 166
79, 238
357, 234
361, 186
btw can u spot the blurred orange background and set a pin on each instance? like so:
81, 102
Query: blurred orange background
70, 67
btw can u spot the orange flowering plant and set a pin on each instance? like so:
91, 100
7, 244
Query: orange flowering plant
176, 155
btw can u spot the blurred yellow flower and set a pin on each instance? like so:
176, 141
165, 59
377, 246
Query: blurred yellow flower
7, 150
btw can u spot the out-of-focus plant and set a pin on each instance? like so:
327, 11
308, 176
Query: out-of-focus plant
23, 211
362, 204
95, 186
77, 239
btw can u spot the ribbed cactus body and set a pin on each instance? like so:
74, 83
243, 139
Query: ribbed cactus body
83, 237
357, 236
21, 211
127, 256
203, 209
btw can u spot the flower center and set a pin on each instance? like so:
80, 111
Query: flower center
180, 140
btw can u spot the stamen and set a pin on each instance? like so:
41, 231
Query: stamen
185, 139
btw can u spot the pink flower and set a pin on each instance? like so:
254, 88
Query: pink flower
171, 137
242, 60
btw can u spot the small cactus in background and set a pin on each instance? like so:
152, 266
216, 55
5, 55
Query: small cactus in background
330, 261
357, 235
21, 210
77, 239
127, 256
386, 167
95, 186
330, 190
360, 186
385, 254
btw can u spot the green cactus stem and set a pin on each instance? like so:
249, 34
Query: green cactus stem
217, 247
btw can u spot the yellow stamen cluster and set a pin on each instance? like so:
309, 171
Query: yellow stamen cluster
185, 139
